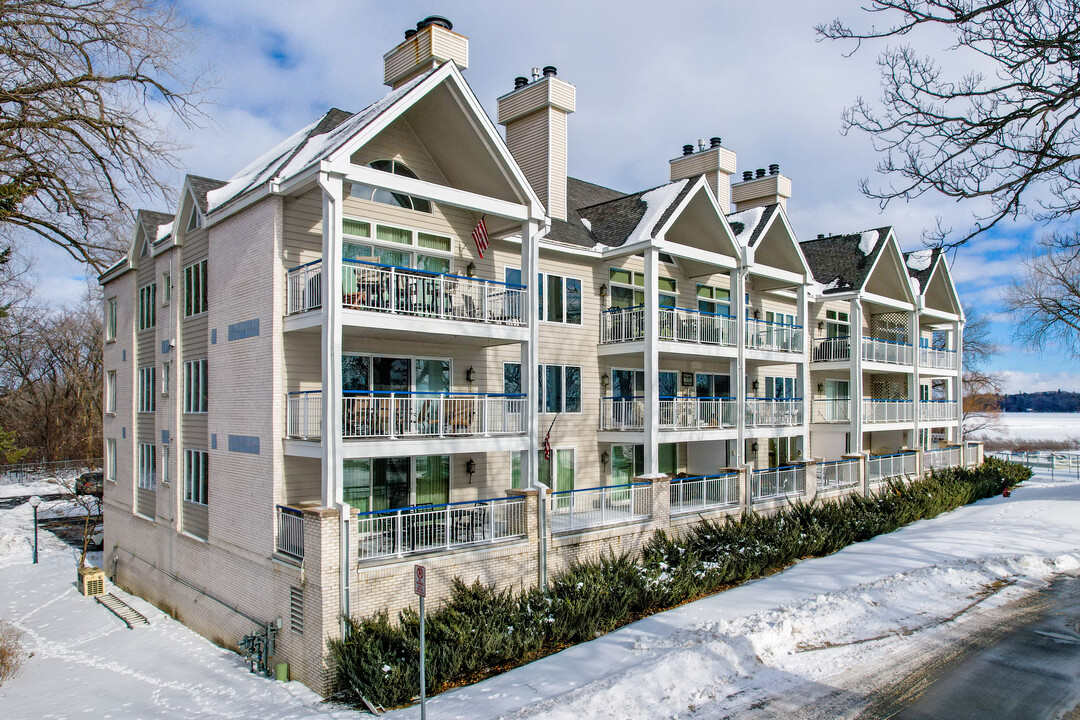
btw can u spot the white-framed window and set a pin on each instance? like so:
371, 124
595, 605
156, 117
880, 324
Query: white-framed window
110, 320
147, 466
110, 391
366, 192
386, 373
837, 324
110, 459
780, 387
714, 300
147, 401
166, 378
512, 378
375, 242
560, 388
147, 306
196, 476
195, 293
560, 471
628, 461
166, 287
560, 298
165, 457
196, 387
628, 289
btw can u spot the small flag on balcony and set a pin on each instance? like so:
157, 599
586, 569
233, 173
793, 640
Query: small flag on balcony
547, 446
480, 236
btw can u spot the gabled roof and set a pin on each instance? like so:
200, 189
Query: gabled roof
842, 263
200, 186
635, 217
152, 220
580, 194
749, 225
920, 266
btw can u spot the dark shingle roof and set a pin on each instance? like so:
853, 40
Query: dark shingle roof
837, 261
922, 275
614, 221
739, 229
202, 185
151, 220
579, 194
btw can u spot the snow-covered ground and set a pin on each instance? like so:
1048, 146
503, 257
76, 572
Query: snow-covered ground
808, 627
1032, 426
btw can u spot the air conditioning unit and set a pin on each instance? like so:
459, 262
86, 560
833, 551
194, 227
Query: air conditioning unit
91, 581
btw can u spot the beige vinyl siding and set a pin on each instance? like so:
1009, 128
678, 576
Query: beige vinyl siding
402, 58
303, 479
303, 361
196, 520
528, 139
302, 229
146, 502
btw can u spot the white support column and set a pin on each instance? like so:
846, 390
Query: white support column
856, 380
958, 393
652, 362
738, 380
802, 370
914, 394
530, 358
332, 490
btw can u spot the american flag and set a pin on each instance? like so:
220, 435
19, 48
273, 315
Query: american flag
480, 236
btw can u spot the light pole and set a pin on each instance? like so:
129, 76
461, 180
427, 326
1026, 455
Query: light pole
34, 502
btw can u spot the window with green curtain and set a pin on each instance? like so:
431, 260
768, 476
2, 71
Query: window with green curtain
432, 479
564, 462
515, 470
667, 284
619, 276
543, 469
393, 234
622, 464
357, 251
357, 484
668, 458
358, 228
433, 264
433, 242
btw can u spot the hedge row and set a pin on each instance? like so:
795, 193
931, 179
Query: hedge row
480, 631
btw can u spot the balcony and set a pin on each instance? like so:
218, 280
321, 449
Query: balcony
838, 349
676, 413
882, 468
705, 492
774, 412
832, 410
414, 293
409, 414
937, 359
595, 507
942, 458
773, 336
777, 483
838, 475
681, 325
289, 538
888, 411
943, 410
432, 528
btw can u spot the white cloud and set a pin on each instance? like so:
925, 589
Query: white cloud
1021, 381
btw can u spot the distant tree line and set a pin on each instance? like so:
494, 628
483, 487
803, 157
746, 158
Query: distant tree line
1051, 401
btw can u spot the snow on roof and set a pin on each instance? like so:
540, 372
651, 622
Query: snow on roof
820, 289
302, 149
915, 285
868, 240
587, 224
164, 231
748, 219
920, 259
656, 202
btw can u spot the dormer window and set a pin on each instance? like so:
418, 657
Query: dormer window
366, 192
193, 221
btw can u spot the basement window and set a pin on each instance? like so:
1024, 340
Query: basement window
366, 192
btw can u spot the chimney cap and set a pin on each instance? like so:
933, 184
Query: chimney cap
747, 175
520, 82
714, 142
774, 169
820, 235
550, 71
687, 149
761, 172
435, 20
409, 33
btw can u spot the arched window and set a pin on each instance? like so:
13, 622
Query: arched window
366, 192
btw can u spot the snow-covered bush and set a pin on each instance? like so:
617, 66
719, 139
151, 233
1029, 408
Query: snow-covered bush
11, 652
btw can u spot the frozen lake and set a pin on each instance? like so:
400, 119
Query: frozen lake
1033, 426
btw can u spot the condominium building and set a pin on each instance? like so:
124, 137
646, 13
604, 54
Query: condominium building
404, 336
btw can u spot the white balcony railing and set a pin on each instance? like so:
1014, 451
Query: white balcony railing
887, 351
930, 410
831, 349
290, 531
774, 412
303, 414
942, 458
775, 483
882, 468
838, 475
777, 337
675, 324
937, 359
622, 413
706, 492
832, 410
385, 414
887, 411
692, 413
595, 507
971, 454
385, 288
429, 528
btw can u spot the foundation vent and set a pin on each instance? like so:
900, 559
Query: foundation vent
296, 610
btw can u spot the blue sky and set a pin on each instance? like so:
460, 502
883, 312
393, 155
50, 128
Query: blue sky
650, 77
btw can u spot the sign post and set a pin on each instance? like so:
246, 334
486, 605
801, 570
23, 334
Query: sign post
420, 588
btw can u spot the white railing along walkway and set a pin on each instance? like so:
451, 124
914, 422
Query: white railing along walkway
774, 336
595, 507
775, 483
942, 458
838, 474
290, 531
429, 528
705, 492
774, 412
881, 468
885, 411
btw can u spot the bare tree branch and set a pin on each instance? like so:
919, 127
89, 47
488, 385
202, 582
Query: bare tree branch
1045, 299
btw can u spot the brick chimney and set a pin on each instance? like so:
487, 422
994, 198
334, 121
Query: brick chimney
534, 115
759, 189
432, 43
715, 162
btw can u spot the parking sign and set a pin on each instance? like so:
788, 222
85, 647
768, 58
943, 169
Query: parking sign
420, 580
